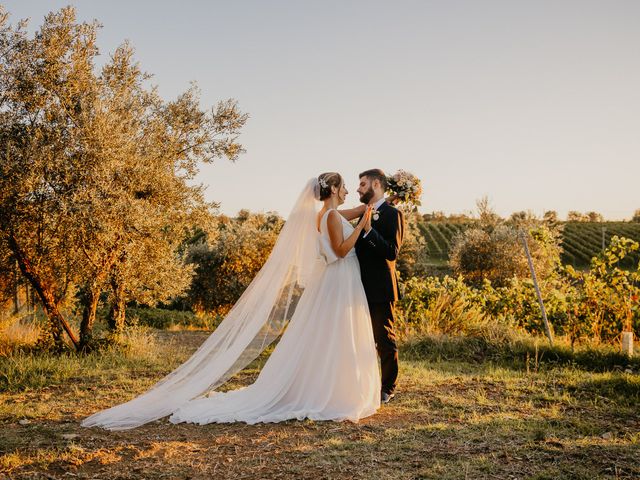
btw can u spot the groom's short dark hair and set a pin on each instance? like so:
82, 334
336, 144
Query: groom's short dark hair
375, 174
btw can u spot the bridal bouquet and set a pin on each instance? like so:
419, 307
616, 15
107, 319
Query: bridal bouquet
406, 186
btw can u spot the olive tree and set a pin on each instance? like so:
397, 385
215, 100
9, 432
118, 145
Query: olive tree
96, 170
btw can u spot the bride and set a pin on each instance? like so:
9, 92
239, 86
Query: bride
325, 365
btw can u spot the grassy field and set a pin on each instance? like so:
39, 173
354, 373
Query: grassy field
450, 420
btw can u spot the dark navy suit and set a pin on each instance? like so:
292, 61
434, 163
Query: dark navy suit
377, 253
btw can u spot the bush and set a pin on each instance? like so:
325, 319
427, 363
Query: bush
595, 305
432, 305
229, 258
496, 253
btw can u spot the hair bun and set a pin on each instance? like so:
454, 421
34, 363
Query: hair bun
325, 182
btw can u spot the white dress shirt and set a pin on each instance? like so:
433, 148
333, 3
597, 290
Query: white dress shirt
376, 206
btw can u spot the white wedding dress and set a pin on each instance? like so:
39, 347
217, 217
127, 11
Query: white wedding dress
324, 367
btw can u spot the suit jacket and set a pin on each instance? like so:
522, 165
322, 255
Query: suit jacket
377, 254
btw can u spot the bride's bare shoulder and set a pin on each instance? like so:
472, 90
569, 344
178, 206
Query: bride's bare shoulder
334, 219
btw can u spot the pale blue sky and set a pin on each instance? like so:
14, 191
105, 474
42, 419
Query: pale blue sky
533, 103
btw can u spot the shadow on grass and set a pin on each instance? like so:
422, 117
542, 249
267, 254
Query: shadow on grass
622, 390
518, 354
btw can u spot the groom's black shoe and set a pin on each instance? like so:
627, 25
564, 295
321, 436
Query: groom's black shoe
386, 397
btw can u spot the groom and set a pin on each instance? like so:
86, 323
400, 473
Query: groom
377, 250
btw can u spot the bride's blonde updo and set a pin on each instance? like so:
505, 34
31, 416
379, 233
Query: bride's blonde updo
325, 182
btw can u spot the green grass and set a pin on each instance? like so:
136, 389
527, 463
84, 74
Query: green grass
456, 416
521, 352
165, 319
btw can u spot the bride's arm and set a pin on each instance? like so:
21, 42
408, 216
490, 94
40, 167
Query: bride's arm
351, 213
339, 244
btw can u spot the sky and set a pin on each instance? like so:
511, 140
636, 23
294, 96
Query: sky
534, 104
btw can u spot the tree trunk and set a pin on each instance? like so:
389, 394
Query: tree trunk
90, 300
117, 313
31, 303
16, 291
91, 297
45, 292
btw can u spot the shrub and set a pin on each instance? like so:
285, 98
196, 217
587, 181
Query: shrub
228, 260
594, 305
496, 253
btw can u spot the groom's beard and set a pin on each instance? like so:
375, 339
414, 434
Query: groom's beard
367, 196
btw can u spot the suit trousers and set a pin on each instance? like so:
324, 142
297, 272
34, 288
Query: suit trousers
382, 319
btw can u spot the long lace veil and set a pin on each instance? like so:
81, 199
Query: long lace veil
254, 322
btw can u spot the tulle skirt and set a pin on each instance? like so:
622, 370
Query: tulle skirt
324, 367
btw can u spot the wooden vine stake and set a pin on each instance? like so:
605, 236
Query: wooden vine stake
627, 334
547, 327
627, 343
